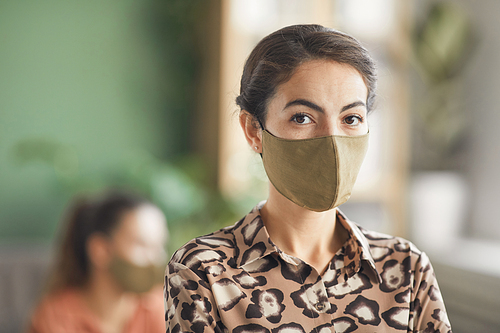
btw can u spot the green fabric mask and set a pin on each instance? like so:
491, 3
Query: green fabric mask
316, 173
134, 278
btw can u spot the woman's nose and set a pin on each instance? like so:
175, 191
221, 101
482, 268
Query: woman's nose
330, 127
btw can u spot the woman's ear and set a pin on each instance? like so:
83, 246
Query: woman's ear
98, 251
252, 132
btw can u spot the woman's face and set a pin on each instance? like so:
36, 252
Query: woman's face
322, 98
140, 238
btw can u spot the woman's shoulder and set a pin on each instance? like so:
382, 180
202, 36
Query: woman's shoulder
61, 299
380, 239
212, 247
378, 243
384, 247
60, 310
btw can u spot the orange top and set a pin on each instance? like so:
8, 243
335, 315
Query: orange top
66, 312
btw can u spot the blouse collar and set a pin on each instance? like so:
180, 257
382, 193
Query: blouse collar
254, 243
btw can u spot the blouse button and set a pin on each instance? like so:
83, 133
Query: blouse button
319, 306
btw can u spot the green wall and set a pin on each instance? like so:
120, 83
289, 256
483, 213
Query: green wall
89, 79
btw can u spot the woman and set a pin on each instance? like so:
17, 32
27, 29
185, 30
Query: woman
295, 262
109, 271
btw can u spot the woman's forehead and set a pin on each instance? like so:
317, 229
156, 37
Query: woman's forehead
145, 222
323, 79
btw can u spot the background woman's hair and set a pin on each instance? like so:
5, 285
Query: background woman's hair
276, 57
86, 217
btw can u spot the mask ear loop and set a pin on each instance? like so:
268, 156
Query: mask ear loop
260, 124
263, 129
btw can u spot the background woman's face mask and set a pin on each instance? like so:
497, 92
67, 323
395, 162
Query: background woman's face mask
135, 278
317, 173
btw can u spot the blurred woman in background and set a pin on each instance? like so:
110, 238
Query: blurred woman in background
109, 269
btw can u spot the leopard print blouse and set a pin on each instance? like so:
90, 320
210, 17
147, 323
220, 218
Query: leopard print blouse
237, 280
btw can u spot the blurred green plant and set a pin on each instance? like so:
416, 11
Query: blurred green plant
180, 189
443, 44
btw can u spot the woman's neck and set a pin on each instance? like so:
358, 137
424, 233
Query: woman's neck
314, 237
112, 307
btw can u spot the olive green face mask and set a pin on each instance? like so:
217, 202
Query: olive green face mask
134, 278
316, 173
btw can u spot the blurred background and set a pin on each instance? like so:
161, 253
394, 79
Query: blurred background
140, 95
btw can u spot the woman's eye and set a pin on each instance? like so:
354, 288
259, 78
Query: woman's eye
301, 119
353, 120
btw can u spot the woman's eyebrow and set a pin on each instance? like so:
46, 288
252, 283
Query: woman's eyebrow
352, 105
318, 108
304, 102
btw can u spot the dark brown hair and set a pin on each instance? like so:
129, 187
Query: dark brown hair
276, 57
86, 217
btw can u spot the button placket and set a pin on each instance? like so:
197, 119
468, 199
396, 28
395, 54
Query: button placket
314, 298
318, 297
